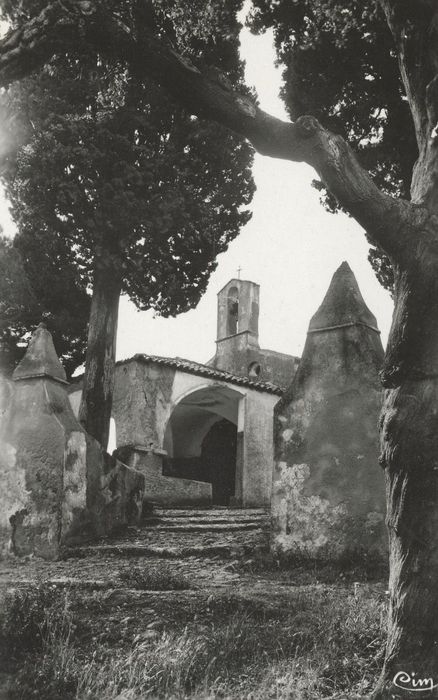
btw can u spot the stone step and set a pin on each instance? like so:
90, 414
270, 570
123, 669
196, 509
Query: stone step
126, 550
160, 535
208, 516
201, 527
157, 523
225, 513
180, 541
203, 524
187, 532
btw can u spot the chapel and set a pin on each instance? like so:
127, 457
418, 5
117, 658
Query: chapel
203, 433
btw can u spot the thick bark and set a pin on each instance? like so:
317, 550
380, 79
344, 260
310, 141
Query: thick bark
409, 454
409, 422
98, 382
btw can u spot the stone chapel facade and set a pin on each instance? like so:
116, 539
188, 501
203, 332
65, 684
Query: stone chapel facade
203, 434
250, 428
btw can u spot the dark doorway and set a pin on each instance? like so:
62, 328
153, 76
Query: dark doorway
218, 457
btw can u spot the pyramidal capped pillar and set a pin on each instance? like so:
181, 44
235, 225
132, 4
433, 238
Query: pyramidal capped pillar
40, 359
328, 491
34, 431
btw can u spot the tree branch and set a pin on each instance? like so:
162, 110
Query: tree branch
63, 22
414, 26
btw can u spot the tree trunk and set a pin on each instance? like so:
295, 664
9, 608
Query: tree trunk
410, 450
409, 442
409, 423
98, 383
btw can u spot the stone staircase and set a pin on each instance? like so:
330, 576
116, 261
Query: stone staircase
208, 549
184, 532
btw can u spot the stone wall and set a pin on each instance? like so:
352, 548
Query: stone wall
148, 395
328, 489
237, 354
57, 485
161, 489
277, 367
237, 345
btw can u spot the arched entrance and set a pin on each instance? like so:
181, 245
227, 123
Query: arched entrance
218, 459
201, 441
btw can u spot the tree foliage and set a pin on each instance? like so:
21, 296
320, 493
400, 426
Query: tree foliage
39, 282
112, 166
340, 65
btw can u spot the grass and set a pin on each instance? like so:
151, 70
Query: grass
163, 578
36, 630
304, 569
314, 642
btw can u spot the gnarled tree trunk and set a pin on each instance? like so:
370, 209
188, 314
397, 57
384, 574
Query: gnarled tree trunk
98, 382
409, 444
409, 423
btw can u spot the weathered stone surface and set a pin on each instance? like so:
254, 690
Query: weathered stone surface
40, 359
197, 534
161, 489
328, 492
237, 344
116, 497
56, 483
343, 303
209, 559
277, 367
159, 407
32, 442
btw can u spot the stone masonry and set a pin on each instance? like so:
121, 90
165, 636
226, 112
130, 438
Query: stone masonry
57, 485
328, 488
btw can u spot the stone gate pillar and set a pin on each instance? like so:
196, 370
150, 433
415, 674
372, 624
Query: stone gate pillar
32, 444
328, 488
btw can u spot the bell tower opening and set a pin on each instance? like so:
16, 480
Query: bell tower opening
233, 311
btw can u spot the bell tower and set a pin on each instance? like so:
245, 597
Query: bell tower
237, 344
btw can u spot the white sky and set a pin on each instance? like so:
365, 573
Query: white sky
291, 247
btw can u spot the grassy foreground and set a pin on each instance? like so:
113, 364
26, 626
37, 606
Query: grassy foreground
302, 642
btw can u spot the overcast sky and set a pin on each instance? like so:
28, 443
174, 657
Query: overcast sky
291, 247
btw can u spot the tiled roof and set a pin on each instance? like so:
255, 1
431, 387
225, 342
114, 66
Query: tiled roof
205, 371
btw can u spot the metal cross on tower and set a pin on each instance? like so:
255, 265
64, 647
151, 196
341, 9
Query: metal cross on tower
239, 270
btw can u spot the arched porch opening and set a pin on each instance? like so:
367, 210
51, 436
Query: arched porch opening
202, 441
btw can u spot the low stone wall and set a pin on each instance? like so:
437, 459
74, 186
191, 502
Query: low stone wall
160, 489
113, 498
168, 490
57, 486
